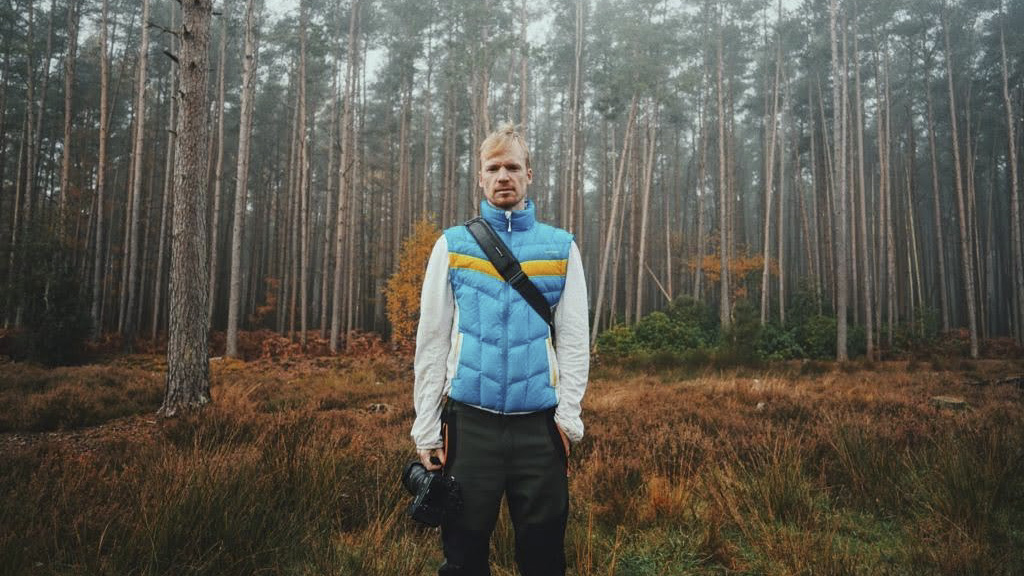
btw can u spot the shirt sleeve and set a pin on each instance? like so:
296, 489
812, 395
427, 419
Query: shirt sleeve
572, 347
433, 343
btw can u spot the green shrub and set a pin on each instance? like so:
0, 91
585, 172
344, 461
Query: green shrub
739, 342
657, 332
53, 310
616, 342
817, 336
686, 310
776, 343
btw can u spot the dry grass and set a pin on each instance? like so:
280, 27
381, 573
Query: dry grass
294, 468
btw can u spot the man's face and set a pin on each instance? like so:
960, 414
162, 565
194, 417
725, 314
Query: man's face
504, 178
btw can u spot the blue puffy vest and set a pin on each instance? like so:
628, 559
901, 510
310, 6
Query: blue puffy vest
505, 359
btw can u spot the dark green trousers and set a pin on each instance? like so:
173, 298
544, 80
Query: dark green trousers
520, 457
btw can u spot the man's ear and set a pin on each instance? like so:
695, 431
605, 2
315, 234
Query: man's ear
529, 175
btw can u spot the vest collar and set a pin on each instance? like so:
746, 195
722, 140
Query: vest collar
509, 220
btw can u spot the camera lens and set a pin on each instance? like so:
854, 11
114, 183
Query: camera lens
415, 478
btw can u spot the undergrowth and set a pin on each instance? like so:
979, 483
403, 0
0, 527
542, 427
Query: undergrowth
794, 469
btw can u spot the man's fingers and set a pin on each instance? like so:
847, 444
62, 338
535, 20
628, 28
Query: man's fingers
431, 459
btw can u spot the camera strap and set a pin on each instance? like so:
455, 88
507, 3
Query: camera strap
508, 266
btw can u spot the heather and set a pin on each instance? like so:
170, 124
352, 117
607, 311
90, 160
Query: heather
792, 468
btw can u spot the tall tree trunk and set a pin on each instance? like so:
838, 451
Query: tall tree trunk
524, 79
702, 188
602, 277
69, 84
783, 118
652, 128
965, 249
218, 171
329, 210
725, 308
345, 175
865, 258
1015, 221
771, 131
101, 175
167, 206
303, 187
940, 243
188, 364
839, 151
249, 61
136, 193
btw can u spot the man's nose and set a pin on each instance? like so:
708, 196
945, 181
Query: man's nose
503, 174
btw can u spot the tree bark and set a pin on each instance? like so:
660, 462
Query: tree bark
136, 191
965, 248
101, 175
725, 308
839, 151
188, 365
69, 84
652, 128
218, 171
249, 61
865, 258
345, 175
612, 218
1015, 222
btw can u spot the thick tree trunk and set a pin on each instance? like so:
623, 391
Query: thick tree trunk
249, 61
188, 365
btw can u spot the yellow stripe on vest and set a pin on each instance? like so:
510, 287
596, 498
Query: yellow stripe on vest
532, 268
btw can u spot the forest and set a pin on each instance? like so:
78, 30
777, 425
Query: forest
860, 159
799, 222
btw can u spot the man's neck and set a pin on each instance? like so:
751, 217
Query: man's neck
517, 207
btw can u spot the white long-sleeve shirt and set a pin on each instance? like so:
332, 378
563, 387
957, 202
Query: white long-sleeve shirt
438, 328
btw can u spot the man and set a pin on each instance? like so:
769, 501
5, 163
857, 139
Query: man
497, 402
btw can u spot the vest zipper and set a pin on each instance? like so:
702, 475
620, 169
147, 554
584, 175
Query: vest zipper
508, 217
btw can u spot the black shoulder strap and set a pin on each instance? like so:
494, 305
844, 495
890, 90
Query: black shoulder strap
507, 265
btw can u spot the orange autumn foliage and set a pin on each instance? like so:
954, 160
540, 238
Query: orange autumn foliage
402, 292
742, 268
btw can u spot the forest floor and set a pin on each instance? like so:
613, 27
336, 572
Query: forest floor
794, 468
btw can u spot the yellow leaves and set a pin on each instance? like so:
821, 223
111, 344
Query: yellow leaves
402, 292
743, 267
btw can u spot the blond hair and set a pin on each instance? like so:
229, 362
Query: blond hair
503, 138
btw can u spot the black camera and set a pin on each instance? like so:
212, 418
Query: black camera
434, 494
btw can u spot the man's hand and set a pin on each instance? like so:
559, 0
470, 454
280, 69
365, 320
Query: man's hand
565, 439
432, 459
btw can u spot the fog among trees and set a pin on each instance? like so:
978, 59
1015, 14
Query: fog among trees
859, 159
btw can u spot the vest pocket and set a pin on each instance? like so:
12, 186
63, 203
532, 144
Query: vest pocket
552, 364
